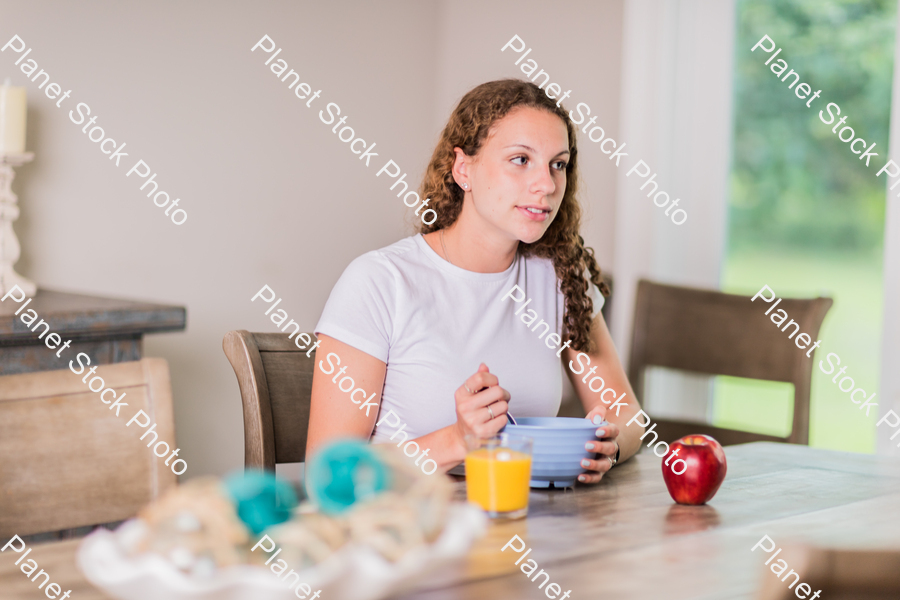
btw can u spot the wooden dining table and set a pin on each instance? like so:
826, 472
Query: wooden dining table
626, 539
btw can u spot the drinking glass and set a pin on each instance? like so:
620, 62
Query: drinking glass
498, 472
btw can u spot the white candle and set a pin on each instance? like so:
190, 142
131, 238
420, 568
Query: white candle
12, 119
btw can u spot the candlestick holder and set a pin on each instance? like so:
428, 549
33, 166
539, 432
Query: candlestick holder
9, 212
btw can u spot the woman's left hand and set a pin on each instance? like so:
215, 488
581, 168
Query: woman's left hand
607, 446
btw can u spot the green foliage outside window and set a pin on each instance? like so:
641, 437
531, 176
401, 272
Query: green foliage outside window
794, 183
806, 216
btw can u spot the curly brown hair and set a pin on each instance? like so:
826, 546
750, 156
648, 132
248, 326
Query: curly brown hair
468, 127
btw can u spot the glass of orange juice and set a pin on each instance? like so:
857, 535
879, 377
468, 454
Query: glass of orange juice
498, 473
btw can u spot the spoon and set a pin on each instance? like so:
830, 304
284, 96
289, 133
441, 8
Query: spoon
509, 417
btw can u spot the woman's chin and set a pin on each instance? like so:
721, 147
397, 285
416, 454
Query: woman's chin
530, 235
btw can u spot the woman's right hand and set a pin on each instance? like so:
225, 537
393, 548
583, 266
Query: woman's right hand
472, 414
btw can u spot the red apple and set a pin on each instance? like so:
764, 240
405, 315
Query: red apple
697, 479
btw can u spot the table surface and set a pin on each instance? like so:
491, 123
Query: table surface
625, 538
85, 316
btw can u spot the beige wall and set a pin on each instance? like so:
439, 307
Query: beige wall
272, 196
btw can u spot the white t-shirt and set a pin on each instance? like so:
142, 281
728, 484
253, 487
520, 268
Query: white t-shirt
432, 323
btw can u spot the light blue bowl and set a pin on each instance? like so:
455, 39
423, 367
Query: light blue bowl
558, 448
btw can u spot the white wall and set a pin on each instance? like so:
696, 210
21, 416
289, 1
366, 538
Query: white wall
272, 196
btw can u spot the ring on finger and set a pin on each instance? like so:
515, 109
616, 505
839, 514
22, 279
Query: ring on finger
467, 389
491, 412
612, 463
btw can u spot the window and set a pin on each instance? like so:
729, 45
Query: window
806, 217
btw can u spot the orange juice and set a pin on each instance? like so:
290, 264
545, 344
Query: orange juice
497, 479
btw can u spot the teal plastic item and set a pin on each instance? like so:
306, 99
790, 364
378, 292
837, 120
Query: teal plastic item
261, 500
343, 473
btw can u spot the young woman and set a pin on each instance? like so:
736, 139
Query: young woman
428, 324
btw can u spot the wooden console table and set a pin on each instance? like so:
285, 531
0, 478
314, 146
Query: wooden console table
106, 329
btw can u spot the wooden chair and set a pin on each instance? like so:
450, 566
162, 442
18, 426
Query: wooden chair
275, 377
722, 334
67, 461
846, 574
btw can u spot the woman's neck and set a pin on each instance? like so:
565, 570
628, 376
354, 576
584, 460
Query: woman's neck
473, 244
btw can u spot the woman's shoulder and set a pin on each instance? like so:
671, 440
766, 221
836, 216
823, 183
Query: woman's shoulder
385, 262
362, 309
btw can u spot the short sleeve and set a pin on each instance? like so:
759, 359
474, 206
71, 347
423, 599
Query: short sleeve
361, 306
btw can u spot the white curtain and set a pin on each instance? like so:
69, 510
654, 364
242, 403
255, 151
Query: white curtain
677, 85
890, 345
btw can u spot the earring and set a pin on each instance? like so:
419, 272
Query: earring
465, 186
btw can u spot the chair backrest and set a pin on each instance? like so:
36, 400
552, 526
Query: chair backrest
275, 378
723, 334
67, 461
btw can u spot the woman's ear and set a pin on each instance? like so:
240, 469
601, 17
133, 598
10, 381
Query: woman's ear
460, 168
